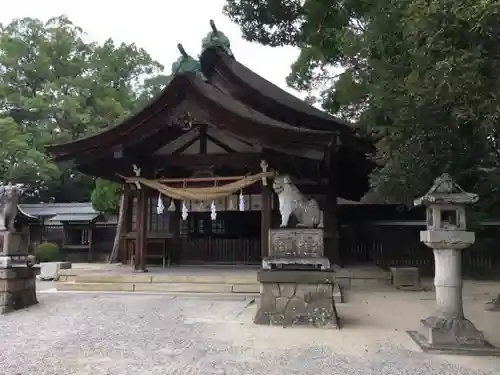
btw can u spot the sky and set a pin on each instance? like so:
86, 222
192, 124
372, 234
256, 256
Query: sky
158, 26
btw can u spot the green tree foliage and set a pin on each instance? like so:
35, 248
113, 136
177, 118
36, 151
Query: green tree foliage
55, 86
420, 76
105, 196
18, 160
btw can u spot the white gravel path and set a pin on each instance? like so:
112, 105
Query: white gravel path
136, 334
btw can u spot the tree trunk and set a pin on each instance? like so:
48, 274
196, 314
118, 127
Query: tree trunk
119, 228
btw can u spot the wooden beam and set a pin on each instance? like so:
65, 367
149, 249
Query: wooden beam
186, 145
201, 179
203, 139
220, 144
237, 160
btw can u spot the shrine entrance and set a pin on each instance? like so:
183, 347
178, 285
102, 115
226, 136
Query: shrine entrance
216, 224
232, 238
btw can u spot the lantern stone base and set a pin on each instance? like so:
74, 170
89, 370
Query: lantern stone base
17, 288
442, 335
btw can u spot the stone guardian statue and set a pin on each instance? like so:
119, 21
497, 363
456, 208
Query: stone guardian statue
293, 202
9, 198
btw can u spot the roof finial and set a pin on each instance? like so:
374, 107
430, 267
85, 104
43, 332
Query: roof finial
186, 63
212, 25
182, 50
216, 39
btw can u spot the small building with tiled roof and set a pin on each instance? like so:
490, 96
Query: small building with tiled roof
81, 232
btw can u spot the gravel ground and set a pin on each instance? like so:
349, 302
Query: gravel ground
138, 334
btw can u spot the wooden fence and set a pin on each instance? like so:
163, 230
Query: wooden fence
384, 244
399, 245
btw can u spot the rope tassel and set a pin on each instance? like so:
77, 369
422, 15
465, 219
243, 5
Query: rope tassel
242, 202
160, 207
184, 211
213, 211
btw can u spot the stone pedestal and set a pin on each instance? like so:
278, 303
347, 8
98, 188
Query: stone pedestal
17, 288
297, 298
494, 305
405, 278
17, 278
296, 248
301, 242
448, 331
14, 251
50, 270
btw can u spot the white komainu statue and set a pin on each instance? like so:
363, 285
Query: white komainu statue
292, 201
9, 197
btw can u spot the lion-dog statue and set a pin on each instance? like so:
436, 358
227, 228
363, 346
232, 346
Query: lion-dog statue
293, 202
9, 198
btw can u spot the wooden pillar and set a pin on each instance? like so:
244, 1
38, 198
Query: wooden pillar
265, 221
174, 251
63, 227
90, 231
141, 231
123, 225
331, 213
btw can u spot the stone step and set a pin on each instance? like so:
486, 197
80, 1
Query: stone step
161, 287
166, 278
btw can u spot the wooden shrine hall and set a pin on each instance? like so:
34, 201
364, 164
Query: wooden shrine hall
197, 162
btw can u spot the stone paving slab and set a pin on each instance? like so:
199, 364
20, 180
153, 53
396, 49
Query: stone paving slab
174, 278
160, 287
82, 334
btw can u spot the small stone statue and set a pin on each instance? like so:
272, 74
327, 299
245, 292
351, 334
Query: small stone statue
292, 201
9, 197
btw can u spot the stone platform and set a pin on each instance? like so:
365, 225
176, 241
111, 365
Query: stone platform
97, 277
17, 288
297, 298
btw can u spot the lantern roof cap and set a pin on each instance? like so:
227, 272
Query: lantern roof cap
445, 190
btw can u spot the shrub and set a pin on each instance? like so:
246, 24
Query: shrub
47, 252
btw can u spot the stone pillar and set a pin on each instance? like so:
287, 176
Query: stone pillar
448, 283
447, 331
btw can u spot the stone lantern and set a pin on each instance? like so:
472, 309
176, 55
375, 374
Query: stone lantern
448, 331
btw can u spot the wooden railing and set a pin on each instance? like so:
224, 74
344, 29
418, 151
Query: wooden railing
207, 250
220, 250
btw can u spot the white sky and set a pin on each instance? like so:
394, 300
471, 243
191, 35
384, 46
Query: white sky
158, 26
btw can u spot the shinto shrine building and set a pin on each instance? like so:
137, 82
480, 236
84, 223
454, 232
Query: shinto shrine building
218, 130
